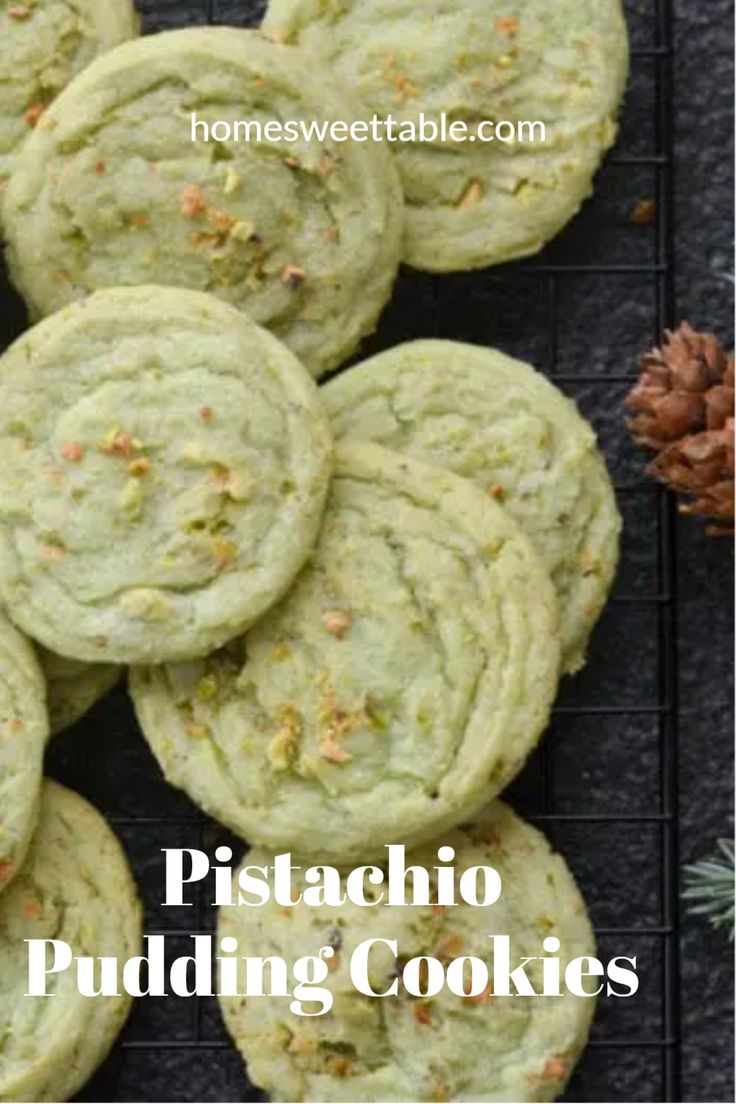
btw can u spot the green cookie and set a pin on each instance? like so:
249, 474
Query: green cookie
164, 463
400, 1048
43, 44
498, 422
304, 235
75, 886
398, 686
24, 729
72, 688
471, 203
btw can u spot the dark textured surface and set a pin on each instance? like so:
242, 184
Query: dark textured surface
704, 90
596, 764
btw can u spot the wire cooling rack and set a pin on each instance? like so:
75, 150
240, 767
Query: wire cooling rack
603, 785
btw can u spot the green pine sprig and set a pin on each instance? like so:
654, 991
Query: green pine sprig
709, 886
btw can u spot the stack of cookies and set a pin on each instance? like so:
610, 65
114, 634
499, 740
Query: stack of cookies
345, 609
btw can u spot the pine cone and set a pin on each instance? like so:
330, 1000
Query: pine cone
683, 408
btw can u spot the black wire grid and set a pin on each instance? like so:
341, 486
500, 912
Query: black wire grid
615, 726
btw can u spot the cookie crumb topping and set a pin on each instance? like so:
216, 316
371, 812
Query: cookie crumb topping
472, 196
337, 622
34, 113
192, 201
293, 276
72, 450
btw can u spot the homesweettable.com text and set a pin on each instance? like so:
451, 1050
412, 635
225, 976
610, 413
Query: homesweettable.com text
376, 129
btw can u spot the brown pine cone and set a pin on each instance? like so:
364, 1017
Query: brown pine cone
683, 408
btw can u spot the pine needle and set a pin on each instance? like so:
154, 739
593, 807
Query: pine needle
709, 886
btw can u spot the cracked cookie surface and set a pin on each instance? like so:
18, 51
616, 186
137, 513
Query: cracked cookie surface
24, 730
398, 686
75, 886
496, 421
43, 44
164, 464
303, 234
402, 1048
473, 203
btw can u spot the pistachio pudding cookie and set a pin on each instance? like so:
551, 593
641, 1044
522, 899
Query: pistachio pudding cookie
24, 730
477, 64
302, 233
398, 686
72, 688
498, 422
404, 1048
43, 44
164, 464
75, 886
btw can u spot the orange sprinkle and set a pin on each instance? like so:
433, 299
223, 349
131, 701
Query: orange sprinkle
338, 1065
337, 622
587, 563
472, 196
100, 168
197, 731
206, 241
334, 962
205, 413
221, 221
122, 444
31, 909
644, 212
140, 220
497, 491
293, 276
332, 752
141, 466
507, 26
34, 113
52, 552
192, 201
17, 724
554, 1069
404, 88
422, 1013
439, 910
72, 450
